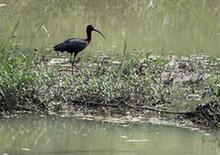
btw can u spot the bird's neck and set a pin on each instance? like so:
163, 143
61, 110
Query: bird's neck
89, 36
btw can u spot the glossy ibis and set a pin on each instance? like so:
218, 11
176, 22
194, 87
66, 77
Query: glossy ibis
76, 45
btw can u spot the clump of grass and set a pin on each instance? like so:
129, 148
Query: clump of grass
28, 84
22, 75
25, 79
135, 81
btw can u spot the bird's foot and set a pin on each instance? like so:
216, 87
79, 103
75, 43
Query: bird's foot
76, 66
73, 64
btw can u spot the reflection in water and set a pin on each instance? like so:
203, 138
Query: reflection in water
69, 136
158, 26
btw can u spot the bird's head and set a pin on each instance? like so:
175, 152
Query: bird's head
90, 28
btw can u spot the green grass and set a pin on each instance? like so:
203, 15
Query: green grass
29, 84
20, 76
27, 81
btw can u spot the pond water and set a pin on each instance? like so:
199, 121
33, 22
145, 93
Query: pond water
157, 26
46, 136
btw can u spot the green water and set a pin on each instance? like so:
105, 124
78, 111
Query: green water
69, 136
159, 26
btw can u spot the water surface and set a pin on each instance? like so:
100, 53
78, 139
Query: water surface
157, 26
46, 136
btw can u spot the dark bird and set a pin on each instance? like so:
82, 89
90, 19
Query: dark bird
76, 45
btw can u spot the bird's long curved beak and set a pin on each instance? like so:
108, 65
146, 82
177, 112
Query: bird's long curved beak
99, 32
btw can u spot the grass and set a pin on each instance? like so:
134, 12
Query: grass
29, 84
20, 76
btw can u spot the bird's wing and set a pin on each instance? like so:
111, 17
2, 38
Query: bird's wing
71, 45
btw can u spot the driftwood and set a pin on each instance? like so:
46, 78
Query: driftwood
206, 114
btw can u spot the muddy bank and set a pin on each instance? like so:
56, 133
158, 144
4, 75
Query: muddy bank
132, 86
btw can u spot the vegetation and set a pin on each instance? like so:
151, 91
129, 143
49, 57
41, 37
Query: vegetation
121, 86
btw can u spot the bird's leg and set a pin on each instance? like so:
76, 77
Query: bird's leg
57, 53
72, 61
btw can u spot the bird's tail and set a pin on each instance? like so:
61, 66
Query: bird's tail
59, 47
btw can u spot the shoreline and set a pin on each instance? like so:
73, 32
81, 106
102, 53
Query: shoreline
118, 87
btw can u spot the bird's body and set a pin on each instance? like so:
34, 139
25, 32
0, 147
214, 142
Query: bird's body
73, 45
76, 45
